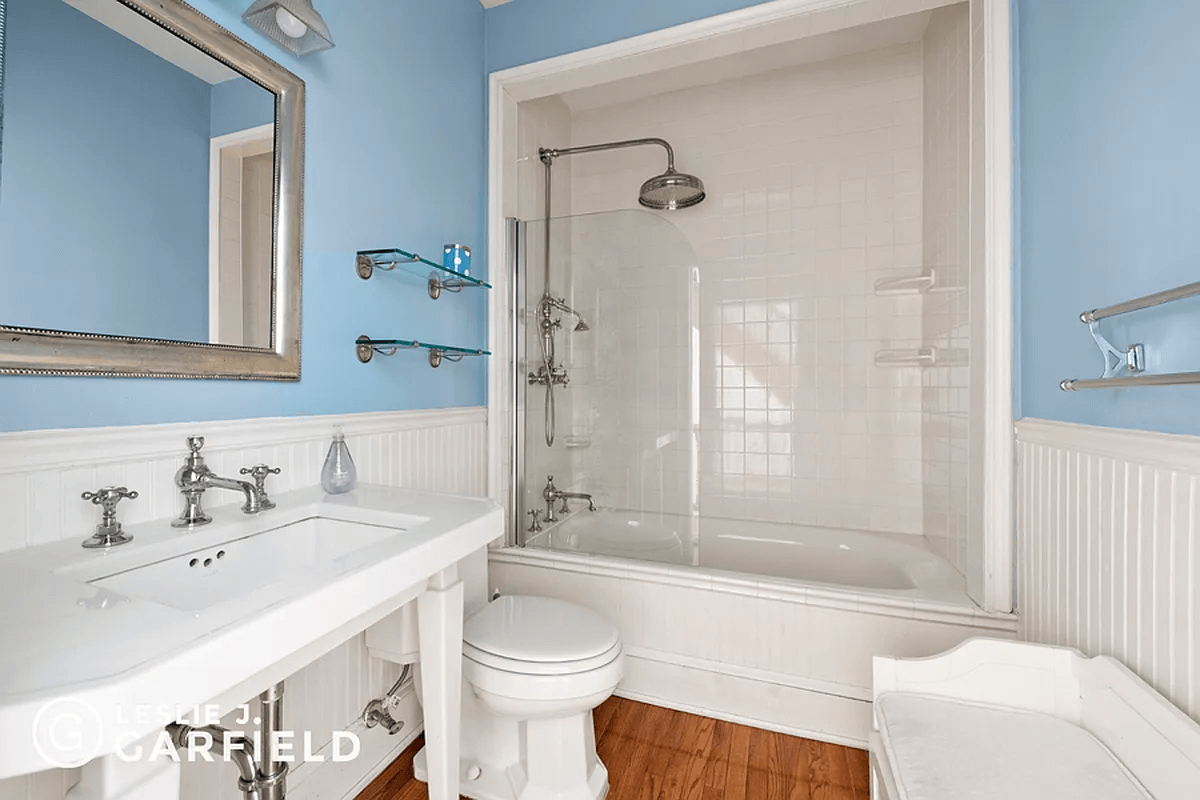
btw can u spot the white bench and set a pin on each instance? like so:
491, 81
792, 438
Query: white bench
1000, 720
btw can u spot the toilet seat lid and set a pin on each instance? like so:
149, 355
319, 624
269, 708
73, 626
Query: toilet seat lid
539, 630
475, 660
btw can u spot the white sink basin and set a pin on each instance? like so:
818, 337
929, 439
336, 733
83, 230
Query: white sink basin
215, 574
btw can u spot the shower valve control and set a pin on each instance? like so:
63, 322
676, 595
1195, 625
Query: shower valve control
558, 376
536, 525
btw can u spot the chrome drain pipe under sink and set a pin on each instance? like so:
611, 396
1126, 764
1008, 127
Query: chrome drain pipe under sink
257, 780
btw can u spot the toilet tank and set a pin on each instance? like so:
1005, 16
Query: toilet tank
394, 638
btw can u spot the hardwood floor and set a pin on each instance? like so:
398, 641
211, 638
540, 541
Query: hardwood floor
655, 753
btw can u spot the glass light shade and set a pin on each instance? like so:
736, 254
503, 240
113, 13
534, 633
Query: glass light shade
290, 25
293, 24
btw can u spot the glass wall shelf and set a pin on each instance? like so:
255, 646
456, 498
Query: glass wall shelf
366, 348
439, 279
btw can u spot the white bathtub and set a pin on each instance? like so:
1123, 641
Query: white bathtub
764, 624
900, 564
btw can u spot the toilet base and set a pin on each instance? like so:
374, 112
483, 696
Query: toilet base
494, 784
561, 764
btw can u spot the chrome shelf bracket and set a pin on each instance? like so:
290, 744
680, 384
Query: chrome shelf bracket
438, 285
365, 349
366, 264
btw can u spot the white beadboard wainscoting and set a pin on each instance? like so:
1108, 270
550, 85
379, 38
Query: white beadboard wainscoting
1108, 550
774, 654
42, 474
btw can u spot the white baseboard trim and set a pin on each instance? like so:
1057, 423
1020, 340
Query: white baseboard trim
772, 702
330, 780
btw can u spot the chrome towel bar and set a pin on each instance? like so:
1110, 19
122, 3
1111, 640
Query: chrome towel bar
1132, 361
1137, 304
1162, 379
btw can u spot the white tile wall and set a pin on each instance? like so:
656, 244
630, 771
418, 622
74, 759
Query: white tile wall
1108, 548
946, 322
814, 177
42, 474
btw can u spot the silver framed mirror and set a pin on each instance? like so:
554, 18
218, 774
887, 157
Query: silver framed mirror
69, 341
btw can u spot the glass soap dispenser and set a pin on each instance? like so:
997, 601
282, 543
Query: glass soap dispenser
338, 475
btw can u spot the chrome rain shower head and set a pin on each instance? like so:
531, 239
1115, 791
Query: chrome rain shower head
671, 191
582, 326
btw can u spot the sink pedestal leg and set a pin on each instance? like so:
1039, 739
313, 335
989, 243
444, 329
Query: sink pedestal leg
114, 778
440, 629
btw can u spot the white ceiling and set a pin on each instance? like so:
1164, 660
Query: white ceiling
162, 43
808, 50
494, 3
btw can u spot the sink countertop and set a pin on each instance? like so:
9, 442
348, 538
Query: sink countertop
61, 637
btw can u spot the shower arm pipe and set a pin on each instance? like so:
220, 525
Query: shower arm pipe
548, 154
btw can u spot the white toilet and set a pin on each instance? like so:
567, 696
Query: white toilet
533, 670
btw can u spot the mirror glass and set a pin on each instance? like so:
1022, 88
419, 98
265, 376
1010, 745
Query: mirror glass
137, 180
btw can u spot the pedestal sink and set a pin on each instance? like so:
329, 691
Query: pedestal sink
179, 619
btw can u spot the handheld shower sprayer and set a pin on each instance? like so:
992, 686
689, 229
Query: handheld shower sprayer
561, 305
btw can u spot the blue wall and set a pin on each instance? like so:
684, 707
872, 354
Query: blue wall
395, 157
530, 30
239, 104
123, 195
1105, 168
1108, 201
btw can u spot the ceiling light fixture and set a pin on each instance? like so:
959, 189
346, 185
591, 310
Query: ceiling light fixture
293, 24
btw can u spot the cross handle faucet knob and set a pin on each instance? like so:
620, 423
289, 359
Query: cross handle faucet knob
108, 497
108, 532
260, 472
194, 443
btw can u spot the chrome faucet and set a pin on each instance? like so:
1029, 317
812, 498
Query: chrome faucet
551, 495
194, 477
